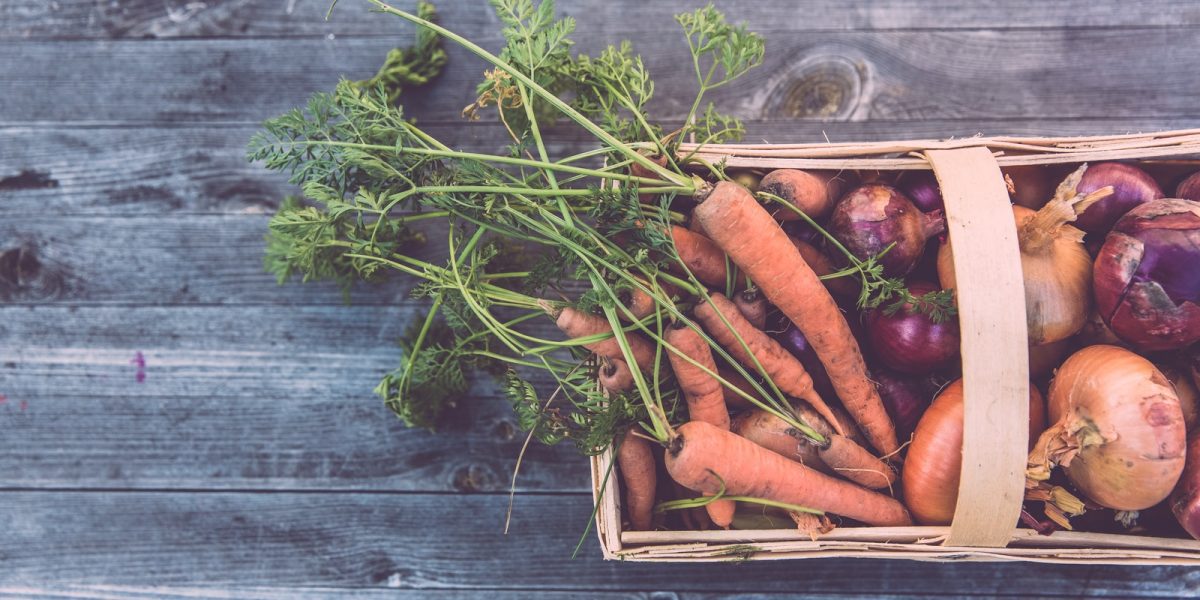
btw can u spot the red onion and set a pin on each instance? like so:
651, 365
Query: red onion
1185, 500
910, 341
1189, 189
794, 341
922, 189
1131, 187
1147, 282
1032, 186
875, 216
905, 398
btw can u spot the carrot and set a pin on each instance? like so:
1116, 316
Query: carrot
639, 303
754, 241
636, 464
705, 400
784, 369
615, 376
753, 306
702, 257
839, 456
842, 287
706, 459
813, 193
694, 226
694, 519
637, 170
576, 324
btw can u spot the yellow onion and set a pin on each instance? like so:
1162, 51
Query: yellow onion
1055, 265
1118, 429
934, 462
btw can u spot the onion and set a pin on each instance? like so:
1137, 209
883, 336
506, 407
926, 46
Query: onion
1056, 267
1185, 499
934, 462
1185, 389
875, 216
1189, 189
1131, 187
905, 398
1118, 430
1146, 276
922, 189
794, 341
909, 341
1096, 332
1045, 358
1031, 186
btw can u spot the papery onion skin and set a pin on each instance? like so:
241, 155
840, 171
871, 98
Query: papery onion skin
1126, 417
933, 466
1185, 499
922, 189
1058, 282
904, 396
1147, 276
1185, 389
1131, 188
873, 217
1189, 189
1044, 359
1032, 185
911, 342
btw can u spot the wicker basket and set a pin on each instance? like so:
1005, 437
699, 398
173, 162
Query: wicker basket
994, 360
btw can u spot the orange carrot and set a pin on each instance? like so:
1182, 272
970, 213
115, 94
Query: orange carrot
694, 226
702, 257
754, 241
576, 324
705, 400
705, 458
753, 306
839, 456
842, 287
784, 369
636, 464
615, 376
813, 193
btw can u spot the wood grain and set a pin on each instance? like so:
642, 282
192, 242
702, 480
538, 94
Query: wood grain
885, 75
73, 19
365, 540
240, 398
127, 592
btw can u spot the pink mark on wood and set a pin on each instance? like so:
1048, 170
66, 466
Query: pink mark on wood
24, 405
139, 361
3, 398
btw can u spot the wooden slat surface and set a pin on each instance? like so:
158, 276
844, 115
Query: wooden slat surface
333, 539
253, 460
886, 75
73, 19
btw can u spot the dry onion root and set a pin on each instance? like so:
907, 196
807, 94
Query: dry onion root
1118, 432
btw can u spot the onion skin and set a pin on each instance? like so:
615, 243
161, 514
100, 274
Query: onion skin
934, 463
1118, 430
909, 341
1185, 499
1189, 189
1057, 276
1146, 276
922, 189
905, 397
1185, 389
1047, 357
874, 216
1032, 185
794, 341
1131, 188
814, 193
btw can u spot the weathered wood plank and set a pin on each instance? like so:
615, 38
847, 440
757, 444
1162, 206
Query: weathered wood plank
418, 541
240, 398
160, 170
824, 75
122, 592
72, 19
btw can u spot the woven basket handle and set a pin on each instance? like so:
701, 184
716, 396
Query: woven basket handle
995, 352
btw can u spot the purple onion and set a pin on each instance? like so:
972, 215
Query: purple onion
922, 189
909, 341
794, 341
1189, 189
876, 216
905, 398
1131, 187
1146, 277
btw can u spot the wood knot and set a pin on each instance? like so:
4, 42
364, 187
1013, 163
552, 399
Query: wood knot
819, 87
24, 277
474, 478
